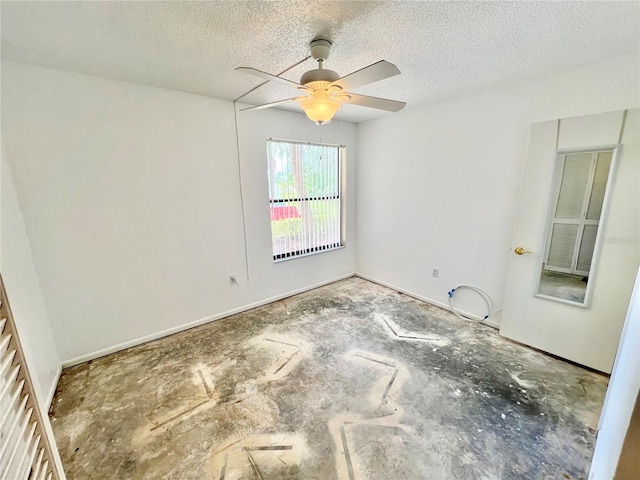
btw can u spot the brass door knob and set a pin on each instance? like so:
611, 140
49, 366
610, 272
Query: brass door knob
520, 251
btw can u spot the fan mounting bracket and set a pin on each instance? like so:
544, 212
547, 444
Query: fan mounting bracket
320, 49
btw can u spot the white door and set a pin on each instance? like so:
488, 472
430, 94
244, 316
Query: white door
585, 333
577, 205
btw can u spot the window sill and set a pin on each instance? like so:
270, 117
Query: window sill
293, 257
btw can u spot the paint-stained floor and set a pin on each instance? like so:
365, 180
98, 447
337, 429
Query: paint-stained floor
348, 381
563, 285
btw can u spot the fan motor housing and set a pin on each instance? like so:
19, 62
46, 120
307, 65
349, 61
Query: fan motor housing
319, 75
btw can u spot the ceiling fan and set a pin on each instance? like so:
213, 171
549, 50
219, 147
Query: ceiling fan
324, 91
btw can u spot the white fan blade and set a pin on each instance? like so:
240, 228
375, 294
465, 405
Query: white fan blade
272, 104
268, 76
372, 73
373, 102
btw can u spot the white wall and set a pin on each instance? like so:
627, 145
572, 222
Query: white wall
622, 393
131, 201
25, 296
448, 174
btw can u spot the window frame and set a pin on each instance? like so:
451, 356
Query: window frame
340, 189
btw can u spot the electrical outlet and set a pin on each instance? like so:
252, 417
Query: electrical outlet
232, 280
435, 272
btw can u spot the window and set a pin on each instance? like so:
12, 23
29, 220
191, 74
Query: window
304, 198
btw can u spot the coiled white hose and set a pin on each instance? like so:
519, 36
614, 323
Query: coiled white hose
485, 296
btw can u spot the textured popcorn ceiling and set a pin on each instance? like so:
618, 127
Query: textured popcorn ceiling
442, 48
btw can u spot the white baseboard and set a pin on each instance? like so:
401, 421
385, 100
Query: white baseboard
186, 326
487, 322
52, 389
491, 323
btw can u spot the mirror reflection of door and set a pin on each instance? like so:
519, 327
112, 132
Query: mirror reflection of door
577, 204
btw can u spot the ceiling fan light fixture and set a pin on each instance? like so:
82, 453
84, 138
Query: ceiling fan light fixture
318, 85
320, 107
324, 90
319, 75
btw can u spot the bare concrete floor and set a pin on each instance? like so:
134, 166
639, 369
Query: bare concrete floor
563, 285
349, 381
